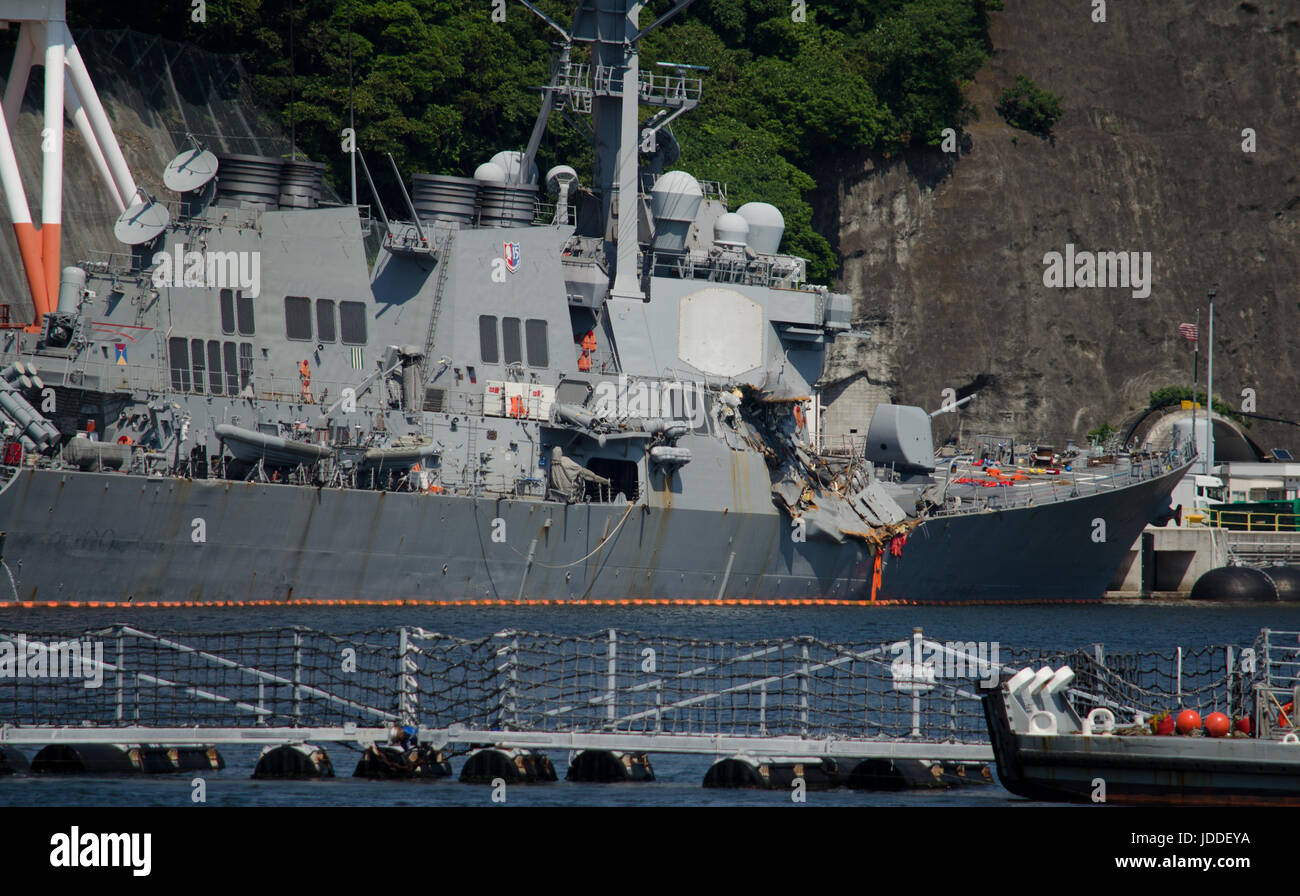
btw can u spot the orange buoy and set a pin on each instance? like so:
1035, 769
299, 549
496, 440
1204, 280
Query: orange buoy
1217, 724
1243, 725
1189, 720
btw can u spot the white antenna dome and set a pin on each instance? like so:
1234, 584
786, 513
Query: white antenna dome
677, 182
766, 226
560, 174
511, 161
674, 201
491, 172
731, 230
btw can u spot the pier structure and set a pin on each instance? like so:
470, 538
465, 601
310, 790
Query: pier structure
796, 698
1167, 560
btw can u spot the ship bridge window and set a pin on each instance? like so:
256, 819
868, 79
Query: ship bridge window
196, 363
297, 318
325, 329
227, 312
244, 314
487, 339
178, 351
510, 340
214, 367
245, 364
352, 322
573, 392
232, 368
535, 333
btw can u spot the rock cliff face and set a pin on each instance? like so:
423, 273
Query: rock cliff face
944, 253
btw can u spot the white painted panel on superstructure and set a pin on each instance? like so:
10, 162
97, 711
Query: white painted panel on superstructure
509, 399
494, 399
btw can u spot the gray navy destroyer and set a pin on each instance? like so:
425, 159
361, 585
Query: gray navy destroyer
557, 387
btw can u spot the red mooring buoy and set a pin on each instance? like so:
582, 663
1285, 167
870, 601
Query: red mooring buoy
1217, 724
1189, 720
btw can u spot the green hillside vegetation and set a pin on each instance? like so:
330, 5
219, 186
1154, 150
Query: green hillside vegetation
442, 87
1172, 395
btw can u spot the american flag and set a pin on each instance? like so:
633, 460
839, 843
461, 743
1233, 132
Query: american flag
1190, 332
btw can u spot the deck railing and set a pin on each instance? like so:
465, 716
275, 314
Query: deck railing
1253, 521
1073, 484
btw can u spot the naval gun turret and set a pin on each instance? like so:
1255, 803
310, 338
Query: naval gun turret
900, 436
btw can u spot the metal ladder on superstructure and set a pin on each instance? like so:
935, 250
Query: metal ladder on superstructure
443, 259
473, 463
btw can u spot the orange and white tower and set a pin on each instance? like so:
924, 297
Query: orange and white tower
44, 40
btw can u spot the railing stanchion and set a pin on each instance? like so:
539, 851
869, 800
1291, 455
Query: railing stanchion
917, 641
121, 677
297, 676
611, 677
803, 692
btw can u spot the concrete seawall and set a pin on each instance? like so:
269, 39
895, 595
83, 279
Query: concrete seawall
1167, 561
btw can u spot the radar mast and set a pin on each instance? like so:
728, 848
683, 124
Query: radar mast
611, 88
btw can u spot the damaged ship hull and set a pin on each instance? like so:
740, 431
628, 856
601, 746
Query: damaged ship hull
122, 538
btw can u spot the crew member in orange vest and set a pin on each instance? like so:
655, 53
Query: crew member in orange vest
588, 346
304, 373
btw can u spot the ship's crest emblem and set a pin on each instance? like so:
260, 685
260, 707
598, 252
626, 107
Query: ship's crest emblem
511, 254
120, 347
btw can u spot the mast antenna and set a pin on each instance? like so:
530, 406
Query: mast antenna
352, 119
293, 134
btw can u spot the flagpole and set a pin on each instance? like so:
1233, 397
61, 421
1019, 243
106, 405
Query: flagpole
1209, 395
1196, 375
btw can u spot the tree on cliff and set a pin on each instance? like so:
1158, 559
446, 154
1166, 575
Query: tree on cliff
442, 86
1030, 108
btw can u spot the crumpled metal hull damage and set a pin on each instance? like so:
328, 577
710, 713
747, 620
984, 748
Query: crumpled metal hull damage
827, 498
